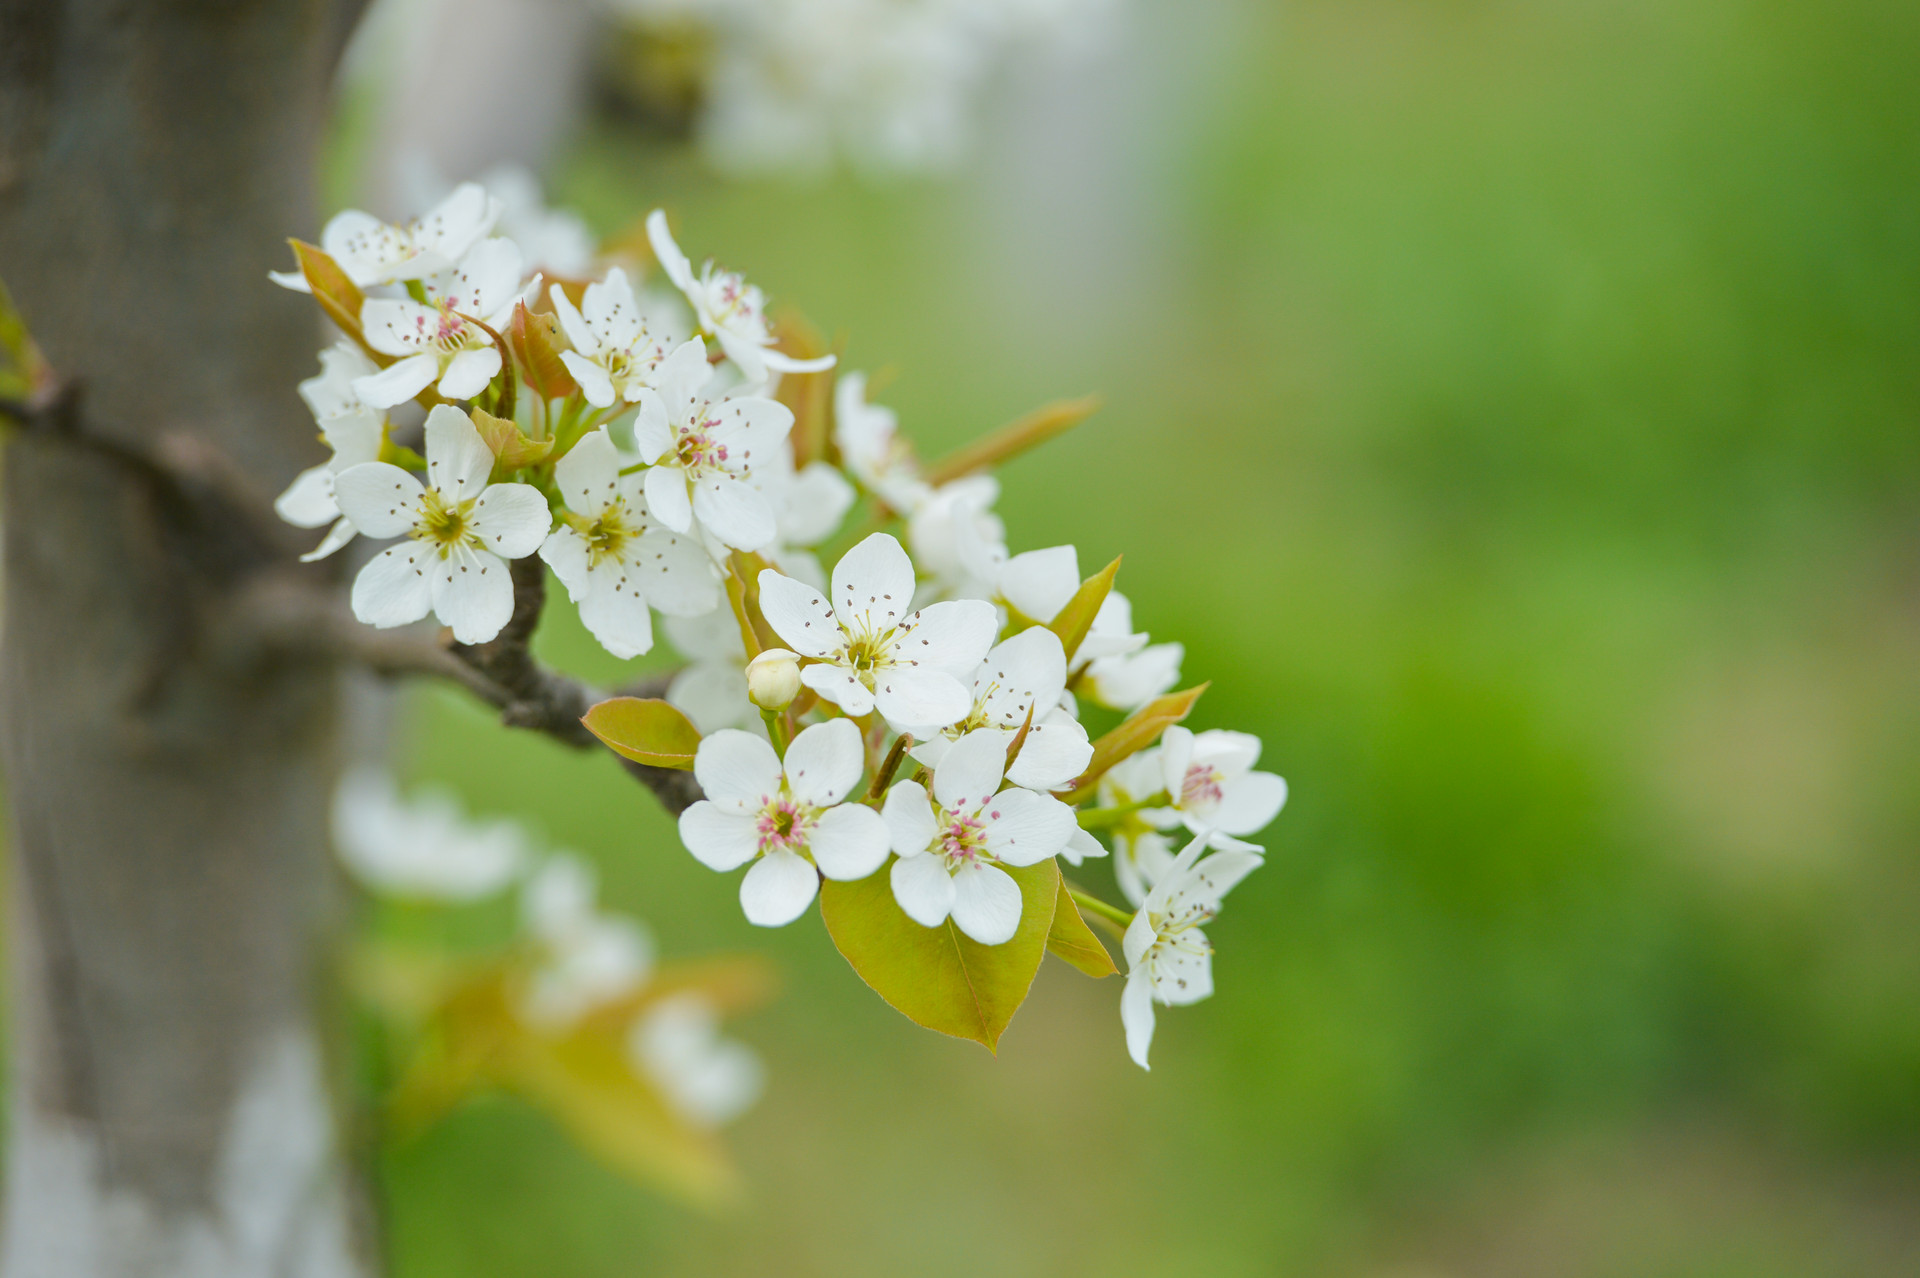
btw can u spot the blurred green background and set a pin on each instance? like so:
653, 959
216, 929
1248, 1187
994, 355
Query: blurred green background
1513, 409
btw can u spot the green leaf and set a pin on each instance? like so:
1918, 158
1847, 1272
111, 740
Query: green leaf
511, 447
1074, 941
937, 976
1075, 617
1141, 729
645, 730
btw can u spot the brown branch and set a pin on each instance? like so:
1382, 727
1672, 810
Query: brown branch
272, 610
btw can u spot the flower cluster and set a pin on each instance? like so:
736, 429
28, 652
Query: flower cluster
664, 447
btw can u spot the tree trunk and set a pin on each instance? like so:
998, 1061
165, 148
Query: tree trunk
170, 1111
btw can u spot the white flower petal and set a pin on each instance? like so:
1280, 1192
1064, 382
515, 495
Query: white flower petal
1081, 846
971, 771
672, 260
512, 519
1182, 973
986, 903
472, 593
737, 770
566, 552
469, 372
1040, 582
1136, 1016
381, 500
849, 842
585, 341
839, 685
458, 459
799, 615
595, 385
398, 382
392, 590
308, 501
337, 536
615, 612
911, 827
873, 589
1055, 752
911, 697
1248, 803
923, 889
824, 762
675, 574
954, 636
735, 513
666, 489
719, 839
778, 889
1024, 828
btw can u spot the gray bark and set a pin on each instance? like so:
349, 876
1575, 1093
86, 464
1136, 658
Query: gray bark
169, 1108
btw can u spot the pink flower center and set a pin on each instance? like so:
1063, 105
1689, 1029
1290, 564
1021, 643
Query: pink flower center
784, 826
1203, 786
696, 449
963, 839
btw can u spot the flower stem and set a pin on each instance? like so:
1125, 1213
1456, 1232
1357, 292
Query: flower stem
777, 729
1094, 905
1103, 818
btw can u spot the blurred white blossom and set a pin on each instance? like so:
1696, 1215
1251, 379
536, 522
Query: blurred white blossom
422, 846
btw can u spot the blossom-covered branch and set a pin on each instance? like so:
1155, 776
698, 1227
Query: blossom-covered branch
665, 448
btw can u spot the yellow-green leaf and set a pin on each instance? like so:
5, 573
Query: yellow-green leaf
937, 976
1015, 437
511, 447
536, 343
1075, 617
337, 295
646, 730
1141, 729
587, 1082
1074, 941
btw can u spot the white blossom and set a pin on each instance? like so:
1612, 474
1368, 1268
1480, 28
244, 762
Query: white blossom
460, 531
701, 452
372, 252
951, 845
422, 846
437, 342
872, 449
1169, 959
728, 308
958, 540
1212, 789
614, 352
1128, 681
787, 818
1020, 680
586, 958
354, 432
1142, 855
677, 1043
869, 650
711, 689
615, 559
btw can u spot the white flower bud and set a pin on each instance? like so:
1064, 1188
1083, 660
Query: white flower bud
773, 679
